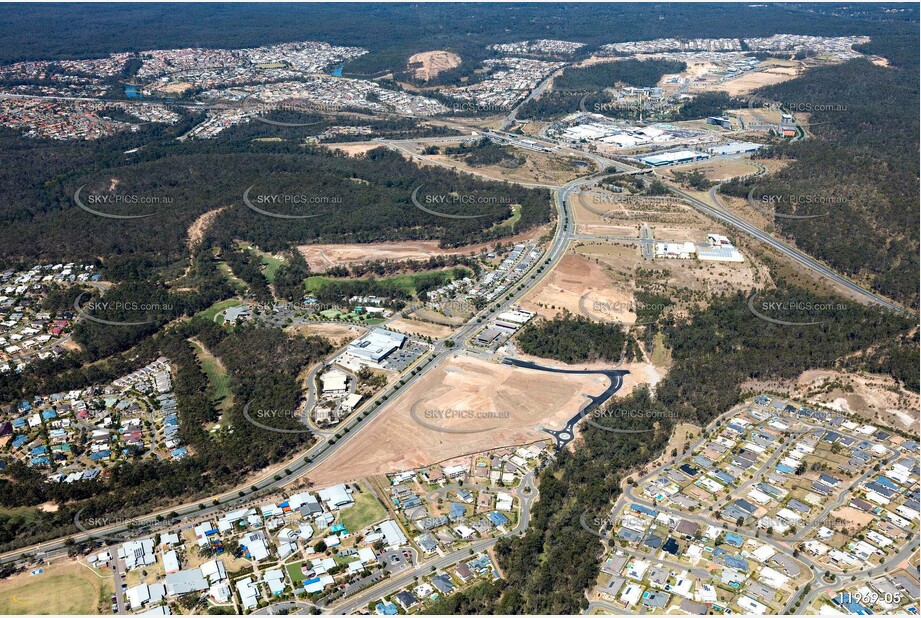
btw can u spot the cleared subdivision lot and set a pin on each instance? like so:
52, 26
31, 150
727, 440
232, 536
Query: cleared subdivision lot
495, 404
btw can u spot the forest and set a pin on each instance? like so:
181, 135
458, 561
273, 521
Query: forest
573, 339
861, 173
595, 77
394, 32
342, 199
583, 88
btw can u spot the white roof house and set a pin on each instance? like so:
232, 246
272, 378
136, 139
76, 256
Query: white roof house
335, 497
170, 562
249, 592
137, 553
393, 536
142, 594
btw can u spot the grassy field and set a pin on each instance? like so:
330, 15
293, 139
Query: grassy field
235, 281
405, 282
27, 513
270, 263
366, 510
68, 588
294, 572
218, 378
211, 312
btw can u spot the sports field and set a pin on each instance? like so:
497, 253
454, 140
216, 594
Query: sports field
67, 588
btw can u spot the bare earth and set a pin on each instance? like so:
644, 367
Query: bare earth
333, 332
323, 256
573, 278
433, 62
353, 149
522, 400
201, 224
753, 81
418, 327
873, 397
176, 87
723, 169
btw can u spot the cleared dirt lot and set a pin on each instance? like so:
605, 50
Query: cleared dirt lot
353, 149
677, 279
418, 327
581, 287
519, 401
323, 256
333, 332
431, 63
723, 169
753, 81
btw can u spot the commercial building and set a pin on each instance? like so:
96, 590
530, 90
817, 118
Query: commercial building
734, 148
334, 382
376, 345
675, 250
673, 158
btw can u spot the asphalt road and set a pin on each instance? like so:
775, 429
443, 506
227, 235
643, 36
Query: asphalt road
566, 435
299, 466
721, 214
392, 585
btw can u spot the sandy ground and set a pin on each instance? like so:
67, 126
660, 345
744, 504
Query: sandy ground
418, 327
333, 332
353, 149
433, 62
723, 169
200, 226
858, 518
323, 256
572, 279
753, 81
176, 87
519, 400
873, 397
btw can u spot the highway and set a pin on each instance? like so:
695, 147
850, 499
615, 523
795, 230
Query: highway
305, 461
291, 471
722, 214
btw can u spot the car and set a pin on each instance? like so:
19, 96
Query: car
114, 598
394, 559
114, 608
